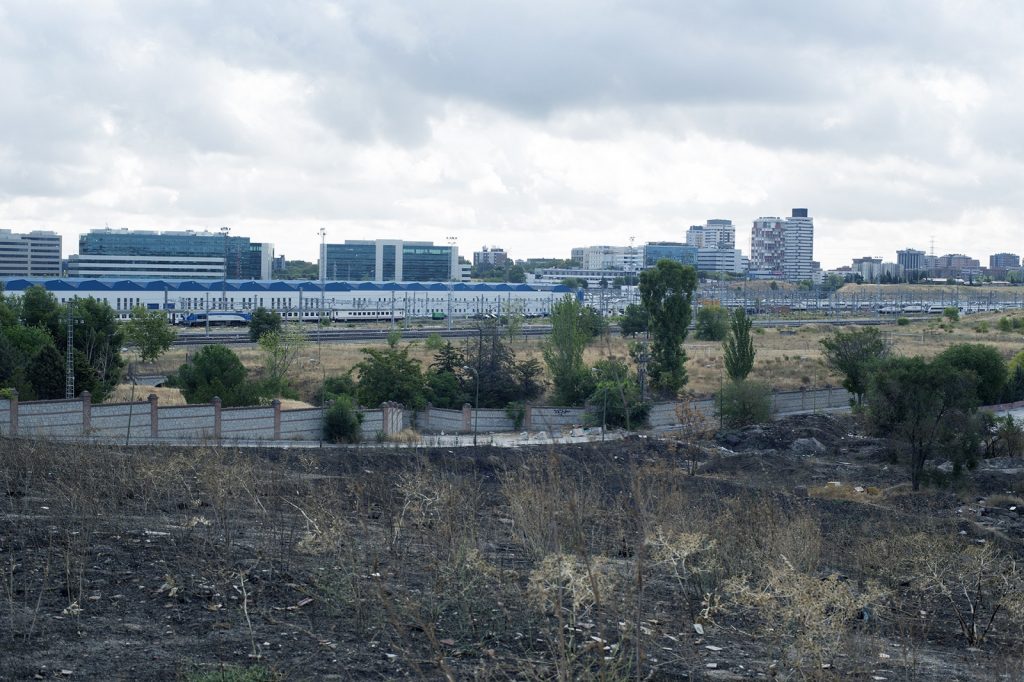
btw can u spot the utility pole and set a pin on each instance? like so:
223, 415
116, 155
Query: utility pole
452, 258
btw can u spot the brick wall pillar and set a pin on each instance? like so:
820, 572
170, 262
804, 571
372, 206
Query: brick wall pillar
14, 412
86, 412
216, 417
528, 417
467, 417
154, 416
424, 424
276, 404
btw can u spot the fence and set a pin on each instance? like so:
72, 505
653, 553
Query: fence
148, 421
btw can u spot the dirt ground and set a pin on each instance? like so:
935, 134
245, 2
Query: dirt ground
793, 550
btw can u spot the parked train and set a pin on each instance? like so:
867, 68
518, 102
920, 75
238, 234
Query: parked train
235, 318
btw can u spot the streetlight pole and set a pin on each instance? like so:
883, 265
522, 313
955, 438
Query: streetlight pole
476, 410
224, 282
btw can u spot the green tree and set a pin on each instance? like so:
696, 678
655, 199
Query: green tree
342, 421
262, 322
666, 291
951, 313
575, 283
617, 395
150, 332
46, 372
215, 371
39, 308
744, 402
390, 374
634, 320
280, 351
563, 352
926, 406
854, 354
444, 378
503, 378
739, 347
332, 387
98, 337
712, 323
516, 274
986, 362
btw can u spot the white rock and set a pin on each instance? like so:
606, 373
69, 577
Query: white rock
698, 628
711, 647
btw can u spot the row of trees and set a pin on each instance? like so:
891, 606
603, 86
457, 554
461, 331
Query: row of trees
33, 344
929, 406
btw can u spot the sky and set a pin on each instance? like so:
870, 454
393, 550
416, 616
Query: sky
532, 126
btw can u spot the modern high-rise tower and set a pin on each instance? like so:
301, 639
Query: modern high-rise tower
798, 231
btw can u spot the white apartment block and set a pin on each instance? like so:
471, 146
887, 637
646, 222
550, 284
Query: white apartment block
798, 238
31, 254
717, 233
767, 246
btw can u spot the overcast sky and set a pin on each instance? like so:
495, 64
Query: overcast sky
534, 126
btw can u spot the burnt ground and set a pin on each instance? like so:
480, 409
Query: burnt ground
796, 550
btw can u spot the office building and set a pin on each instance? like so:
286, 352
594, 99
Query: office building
158, 267
30, 254
390, 260
911, 260
681, 253
150, 250
720, 260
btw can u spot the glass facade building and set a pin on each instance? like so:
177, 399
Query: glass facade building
389, 260
681, 253
244, 259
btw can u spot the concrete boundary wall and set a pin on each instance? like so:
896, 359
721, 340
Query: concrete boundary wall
148, 421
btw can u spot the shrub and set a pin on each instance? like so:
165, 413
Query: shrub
263, 321
985, 361
902, 321
216, 371
745, 402
1005, 325
342, 421
712, 323
951, 313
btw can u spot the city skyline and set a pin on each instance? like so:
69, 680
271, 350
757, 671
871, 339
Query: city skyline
536, 126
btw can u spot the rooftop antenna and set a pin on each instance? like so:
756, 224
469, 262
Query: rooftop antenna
932, 253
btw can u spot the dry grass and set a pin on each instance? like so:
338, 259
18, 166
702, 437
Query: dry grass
787, 358
122, 393
840, 491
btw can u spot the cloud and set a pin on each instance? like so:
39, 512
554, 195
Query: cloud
533, 125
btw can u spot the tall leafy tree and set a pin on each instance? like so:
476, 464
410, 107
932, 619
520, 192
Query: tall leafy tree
46, 372
39, 308
503, 379
563, 352
739, 347
98, 337
854, 354
280, 351
926, 406
666, 292
150, 332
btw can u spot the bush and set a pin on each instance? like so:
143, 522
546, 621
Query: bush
216, 371
985, 361
263, 321
342, 421
951, 313
712, 323
1005, 325
902, 321
333, 387
745, 402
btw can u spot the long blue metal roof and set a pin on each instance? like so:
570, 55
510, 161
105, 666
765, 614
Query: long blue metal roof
214, 285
